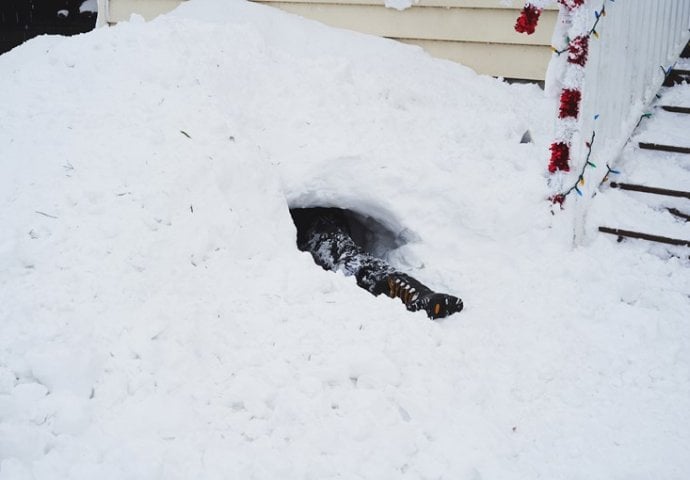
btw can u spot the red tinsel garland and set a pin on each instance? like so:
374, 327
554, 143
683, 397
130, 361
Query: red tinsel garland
529, 17
578, 49
558, 199
571, 4
560, 157
570, 103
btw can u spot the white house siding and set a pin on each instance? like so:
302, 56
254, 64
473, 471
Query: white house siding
477, 33
120, 10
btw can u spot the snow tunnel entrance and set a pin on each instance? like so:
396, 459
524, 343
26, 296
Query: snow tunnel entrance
354, 244
366, 232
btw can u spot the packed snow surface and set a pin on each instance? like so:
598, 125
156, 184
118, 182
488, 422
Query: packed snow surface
158, 322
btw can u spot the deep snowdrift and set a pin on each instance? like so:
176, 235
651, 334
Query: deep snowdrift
158, 321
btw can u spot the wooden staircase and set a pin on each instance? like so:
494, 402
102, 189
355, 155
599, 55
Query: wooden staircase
678, 78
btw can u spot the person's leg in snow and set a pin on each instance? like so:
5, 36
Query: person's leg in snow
325, 234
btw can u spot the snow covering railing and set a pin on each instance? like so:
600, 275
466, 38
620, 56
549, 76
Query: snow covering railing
638, 43
610, 60
102, 15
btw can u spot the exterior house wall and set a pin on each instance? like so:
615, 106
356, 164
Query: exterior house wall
477, 33
120, 10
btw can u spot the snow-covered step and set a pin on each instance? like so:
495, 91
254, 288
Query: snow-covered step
678, 95
676, 77
651, 199
659, 169
653, 190
642, 213
681, 69
645, 236
666, 128
675, 109
677, 213
664, 148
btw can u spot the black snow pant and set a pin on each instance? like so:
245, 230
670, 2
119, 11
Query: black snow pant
325, 234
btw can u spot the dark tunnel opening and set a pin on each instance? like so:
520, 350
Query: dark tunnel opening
367, 232
354, 244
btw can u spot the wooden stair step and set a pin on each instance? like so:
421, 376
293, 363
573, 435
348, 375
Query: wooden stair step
677, 213
644, 236
654, 190
674, 109
676, 76
664, 148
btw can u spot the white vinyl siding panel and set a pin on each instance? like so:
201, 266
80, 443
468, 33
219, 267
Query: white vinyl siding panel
425, 23
476, 33
121, 10
525, 62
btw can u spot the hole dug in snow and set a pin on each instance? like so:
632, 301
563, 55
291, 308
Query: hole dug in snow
355, 244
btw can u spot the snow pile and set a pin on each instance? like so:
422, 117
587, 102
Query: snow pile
399, 5
158, 320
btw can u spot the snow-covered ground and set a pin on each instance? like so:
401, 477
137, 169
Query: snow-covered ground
158, 321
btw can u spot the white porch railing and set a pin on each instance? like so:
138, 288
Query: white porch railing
636, 43
102, 16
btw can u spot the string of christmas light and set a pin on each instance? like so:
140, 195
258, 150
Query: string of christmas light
560, 197
609, 171
646, 115
579, 46
568, 99
642, 117
667, 73
575, 19
571, 95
